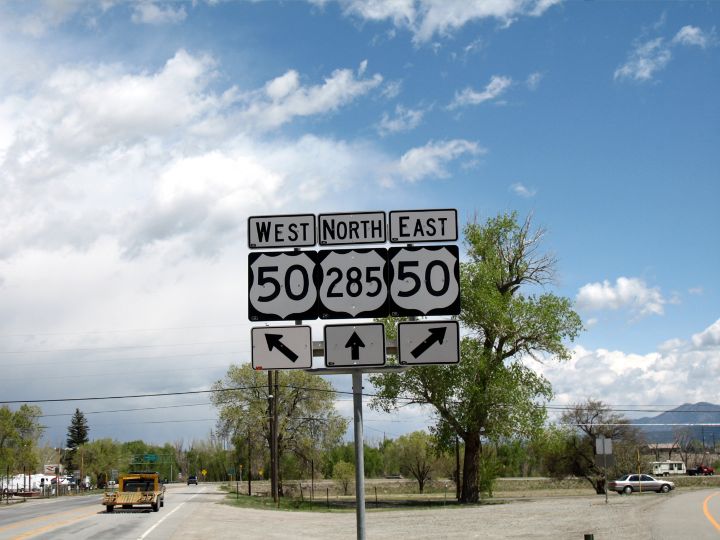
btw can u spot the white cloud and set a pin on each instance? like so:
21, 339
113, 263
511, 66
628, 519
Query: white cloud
533, 80
284, 98
649, 57
710, 337
403, 120
148, 12
630, 293
644, 61
430, 160
523, 191
675, 373
692, 35
695, 290
496, 87
428, 18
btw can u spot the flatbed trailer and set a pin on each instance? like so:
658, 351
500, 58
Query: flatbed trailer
136, 489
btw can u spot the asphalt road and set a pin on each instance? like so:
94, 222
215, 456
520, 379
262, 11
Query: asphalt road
80, 517
191, 512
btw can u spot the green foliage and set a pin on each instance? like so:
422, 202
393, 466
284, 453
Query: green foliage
416, 454
492, 392
20, 432
343, 473
307, 421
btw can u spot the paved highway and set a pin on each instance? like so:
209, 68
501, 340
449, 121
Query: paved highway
190, 513
75, 518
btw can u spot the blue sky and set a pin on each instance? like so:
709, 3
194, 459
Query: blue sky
137, 137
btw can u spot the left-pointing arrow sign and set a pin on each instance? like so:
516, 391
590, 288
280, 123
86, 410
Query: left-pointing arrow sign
281, 347
274, 341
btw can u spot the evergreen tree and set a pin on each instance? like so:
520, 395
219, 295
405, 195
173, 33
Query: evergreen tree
76, 436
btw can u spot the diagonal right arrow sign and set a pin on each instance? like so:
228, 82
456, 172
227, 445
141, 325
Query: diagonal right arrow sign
428, 342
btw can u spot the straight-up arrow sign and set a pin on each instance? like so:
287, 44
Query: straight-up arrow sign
354, 344
274, 341
436, 336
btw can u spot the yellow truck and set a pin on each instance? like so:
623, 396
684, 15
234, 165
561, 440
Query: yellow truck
136, 489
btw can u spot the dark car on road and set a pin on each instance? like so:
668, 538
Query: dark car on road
640, 482
192, 480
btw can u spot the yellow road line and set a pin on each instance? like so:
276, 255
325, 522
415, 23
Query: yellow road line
39, 518
707, 513
54, 525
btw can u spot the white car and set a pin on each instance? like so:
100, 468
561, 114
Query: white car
640, 482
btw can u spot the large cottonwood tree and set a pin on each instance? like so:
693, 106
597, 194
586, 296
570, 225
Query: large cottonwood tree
510, 320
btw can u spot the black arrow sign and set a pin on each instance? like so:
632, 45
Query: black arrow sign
354, 344
274, 342
436, 336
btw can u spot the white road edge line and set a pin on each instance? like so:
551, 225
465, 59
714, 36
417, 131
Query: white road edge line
151, 529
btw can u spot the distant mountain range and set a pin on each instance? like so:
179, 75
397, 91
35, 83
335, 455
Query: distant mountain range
688, 413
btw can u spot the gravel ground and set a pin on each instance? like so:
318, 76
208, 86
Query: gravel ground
556, 518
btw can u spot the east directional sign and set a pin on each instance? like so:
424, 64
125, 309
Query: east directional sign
281, 347
297, 230
428, 342
424, 280
355, 228
413, 226
281, 286
352, 283
354, 345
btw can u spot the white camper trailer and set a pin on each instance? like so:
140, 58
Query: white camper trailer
668, 468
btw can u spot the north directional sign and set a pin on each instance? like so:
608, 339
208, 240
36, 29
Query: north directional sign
413, 226
296, 230
281, 286
352, 283
355, 228
428, 342
281, 347
424, 280
354, 345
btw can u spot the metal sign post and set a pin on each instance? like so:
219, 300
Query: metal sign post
359, 454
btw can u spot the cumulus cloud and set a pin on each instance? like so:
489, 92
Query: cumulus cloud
630, 293
710, 337
430, 160
153, 13
403, 120
533, 80
692, 35
284, 98
497, 86
676, 373
428, 18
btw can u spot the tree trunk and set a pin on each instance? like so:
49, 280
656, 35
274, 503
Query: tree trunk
470, 492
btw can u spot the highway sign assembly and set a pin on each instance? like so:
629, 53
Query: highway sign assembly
355, 228
412, 226
428, 342
354, 345
297, 230
352, 283
281, 347
424, 280
281, 286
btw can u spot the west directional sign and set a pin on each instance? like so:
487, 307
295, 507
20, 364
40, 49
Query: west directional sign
354, 228
296, 230
414, 226
352, 283
424, 280
281, 285
354, 345
428, 342
281, 347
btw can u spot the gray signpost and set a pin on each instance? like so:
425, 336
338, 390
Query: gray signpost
354, 283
